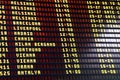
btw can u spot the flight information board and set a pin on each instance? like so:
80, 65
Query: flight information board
59, 40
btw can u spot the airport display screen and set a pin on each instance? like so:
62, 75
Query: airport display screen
59, 40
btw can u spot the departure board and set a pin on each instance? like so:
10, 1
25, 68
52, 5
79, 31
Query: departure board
59, 40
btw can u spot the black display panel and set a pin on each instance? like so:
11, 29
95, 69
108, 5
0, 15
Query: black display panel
59, 40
